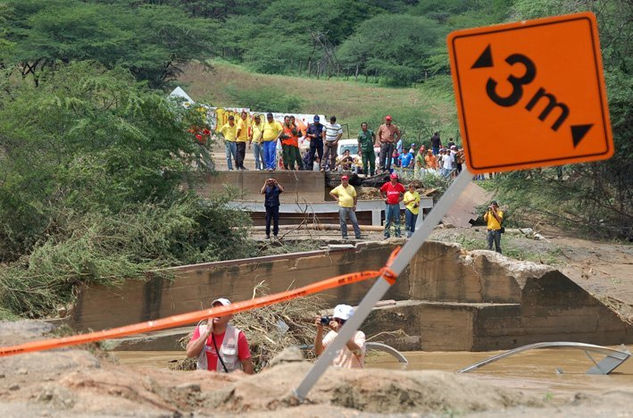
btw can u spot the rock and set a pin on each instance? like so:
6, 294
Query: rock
22, 371
2, 375
45, 396
289, 355
189, 387
14, 386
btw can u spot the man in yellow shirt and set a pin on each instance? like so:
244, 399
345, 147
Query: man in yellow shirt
242, 139
411, 201
345, 195
270, 134
255, 137
229, 132
494, 220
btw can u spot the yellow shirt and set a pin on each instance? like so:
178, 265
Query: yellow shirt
257, 131
414, 198
220, 119
493, 224
271, 130
345, 195
242, 126
229, 132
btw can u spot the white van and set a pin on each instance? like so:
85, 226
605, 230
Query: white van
347, 144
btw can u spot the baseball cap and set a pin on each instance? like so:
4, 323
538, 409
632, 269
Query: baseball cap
344, 177
316, 118
388, 117
394, 176
223, 301
343, 312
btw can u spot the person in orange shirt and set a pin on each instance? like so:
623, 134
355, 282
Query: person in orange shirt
290, 145
431, 161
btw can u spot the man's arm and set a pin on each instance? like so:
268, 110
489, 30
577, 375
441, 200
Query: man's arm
263, 191
334, 195
194, 347
318, 338
496, 215
279, 186
247, 366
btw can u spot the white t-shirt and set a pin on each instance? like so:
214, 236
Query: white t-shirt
345, 358
332, 131
447, 161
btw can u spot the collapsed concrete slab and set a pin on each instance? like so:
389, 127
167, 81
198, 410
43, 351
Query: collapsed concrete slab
449, 299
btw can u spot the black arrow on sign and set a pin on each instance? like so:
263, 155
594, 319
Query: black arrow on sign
484, 60
578, 132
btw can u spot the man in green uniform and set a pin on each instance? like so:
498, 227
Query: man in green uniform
366, 139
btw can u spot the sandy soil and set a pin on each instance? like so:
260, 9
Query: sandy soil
80, 383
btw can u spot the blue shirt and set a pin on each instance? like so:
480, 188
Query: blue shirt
271, 196
406, 159
315, 129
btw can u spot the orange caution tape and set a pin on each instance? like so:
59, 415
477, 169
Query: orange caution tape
192, 317
389, 275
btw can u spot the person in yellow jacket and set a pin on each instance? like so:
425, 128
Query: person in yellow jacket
411, 202
229, 132
242, 138
494, 221
255, 138
270, 134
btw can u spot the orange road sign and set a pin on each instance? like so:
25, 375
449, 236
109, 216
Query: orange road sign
531, 94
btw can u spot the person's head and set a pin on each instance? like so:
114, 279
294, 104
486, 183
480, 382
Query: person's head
257, 119
494, 204
269, 117
344, 180
286, 119
363, 126
436, 133
292, 119
342, 313
332, 119
270, 181
243, 115
346, 153
220, 322
231, 120
429, 152
411, 187
316, 119
388, 120
393, 178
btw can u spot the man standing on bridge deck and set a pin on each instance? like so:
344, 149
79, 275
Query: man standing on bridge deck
219, 346
315, 133
392, 191
271, 132
332, 133
345, 195
242, 139
229, 132
387, 136
272, 189
366, 139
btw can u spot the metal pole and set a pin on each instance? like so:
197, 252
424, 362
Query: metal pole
381, 286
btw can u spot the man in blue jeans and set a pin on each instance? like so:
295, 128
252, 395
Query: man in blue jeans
345, 195
272, 189
392, 191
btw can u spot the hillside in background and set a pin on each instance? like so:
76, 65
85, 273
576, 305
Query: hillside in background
418, 110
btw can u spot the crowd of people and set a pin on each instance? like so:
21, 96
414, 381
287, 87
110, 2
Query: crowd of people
277, 145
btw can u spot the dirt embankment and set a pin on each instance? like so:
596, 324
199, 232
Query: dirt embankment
81, 383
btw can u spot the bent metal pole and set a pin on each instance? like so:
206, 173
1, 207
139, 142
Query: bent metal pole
381, 286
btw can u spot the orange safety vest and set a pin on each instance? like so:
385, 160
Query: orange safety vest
291, 137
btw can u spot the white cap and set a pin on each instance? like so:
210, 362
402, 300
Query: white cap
223, 301
343, 312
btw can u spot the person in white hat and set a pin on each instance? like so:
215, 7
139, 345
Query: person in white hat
219, 346
352, 355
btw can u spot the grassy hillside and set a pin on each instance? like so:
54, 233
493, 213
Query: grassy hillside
419, 110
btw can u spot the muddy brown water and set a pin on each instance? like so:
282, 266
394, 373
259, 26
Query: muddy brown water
555, 371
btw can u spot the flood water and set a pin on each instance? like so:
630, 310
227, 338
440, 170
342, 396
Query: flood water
544, 370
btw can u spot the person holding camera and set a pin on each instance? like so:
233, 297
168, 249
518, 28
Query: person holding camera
494, 220
352, 355
219, 346
272, 189
411, 201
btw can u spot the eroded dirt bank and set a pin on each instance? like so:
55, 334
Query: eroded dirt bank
78, 382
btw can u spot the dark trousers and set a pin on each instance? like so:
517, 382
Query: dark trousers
494, 236
386, 153
241, 153
272, 214
316, 147
369, 162
410, 219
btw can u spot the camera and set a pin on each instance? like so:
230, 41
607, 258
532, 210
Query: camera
325, 320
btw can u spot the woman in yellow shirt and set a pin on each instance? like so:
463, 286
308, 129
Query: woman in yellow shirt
411, 201
255, 137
